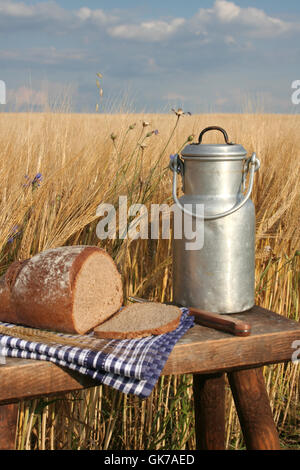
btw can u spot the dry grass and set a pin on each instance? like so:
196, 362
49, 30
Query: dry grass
83, 166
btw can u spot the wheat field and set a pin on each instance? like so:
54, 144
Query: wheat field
56, 168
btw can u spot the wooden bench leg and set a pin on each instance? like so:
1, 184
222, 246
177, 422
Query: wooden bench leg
253, 408
8, 426
209, 403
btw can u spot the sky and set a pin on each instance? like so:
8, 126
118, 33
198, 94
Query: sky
203, 56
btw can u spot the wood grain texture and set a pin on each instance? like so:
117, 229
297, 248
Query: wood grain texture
205, 350
253, 408
8, 425
201, 350
25, 378
209, 404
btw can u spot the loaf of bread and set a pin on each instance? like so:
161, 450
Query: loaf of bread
140, 320
69, 289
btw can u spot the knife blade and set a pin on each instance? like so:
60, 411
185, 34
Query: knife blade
216, 321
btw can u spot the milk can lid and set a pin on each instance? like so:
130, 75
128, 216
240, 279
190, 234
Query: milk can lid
228, 149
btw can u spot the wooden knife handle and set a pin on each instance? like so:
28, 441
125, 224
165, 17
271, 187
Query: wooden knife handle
221, 322
213, 320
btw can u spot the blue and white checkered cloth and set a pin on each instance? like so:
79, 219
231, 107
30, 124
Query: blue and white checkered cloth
130, 366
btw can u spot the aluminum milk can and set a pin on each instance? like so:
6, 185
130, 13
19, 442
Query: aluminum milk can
220, 276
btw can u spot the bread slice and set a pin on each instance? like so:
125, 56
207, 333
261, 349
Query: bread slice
140, 320
68, 289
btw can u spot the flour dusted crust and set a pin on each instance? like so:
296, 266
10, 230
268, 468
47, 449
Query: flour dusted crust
149, 330
40, 291
7, 308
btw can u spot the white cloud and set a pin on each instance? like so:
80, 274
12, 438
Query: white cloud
15, 14
15, 9
20, 10
225, 18
223, 47
148, 31
253, 22
95, 16
84, 13
226, 11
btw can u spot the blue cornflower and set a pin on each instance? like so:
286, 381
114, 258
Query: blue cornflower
37, 179
35, 183
13, 233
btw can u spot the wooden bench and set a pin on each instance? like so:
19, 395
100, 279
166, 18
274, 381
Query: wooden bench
207, 354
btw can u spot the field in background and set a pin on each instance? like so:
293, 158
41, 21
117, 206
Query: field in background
55, 169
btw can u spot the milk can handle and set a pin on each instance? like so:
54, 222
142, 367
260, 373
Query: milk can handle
175, 167
214, 128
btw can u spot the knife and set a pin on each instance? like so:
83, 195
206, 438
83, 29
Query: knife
213, 320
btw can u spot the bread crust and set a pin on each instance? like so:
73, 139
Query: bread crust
40, 299
40, 291
170, 326
7, 309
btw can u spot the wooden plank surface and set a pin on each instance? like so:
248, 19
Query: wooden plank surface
201, 350
204, 350
23, 378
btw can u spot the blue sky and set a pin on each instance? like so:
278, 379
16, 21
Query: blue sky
210, 55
